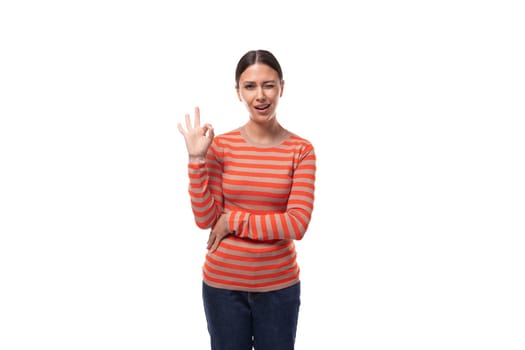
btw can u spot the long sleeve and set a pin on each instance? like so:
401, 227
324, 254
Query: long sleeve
266, 193
205, 191
291, 223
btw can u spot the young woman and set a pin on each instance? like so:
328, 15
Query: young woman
254, 187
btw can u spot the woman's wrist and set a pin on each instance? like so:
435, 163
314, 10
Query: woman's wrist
197, 159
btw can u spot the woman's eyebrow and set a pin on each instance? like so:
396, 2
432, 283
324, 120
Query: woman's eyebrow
264, 82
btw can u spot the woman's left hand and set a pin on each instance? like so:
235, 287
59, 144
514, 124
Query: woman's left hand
218, 232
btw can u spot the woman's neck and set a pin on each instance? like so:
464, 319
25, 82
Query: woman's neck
264, 133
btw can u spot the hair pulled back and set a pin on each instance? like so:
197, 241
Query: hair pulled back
257, 56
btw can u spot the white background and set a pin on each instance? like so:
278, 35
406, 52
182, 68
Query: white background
415, 109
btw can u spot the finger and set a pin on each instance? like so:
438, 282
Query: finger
181, 129
211, 239
207, 130
188, 122
197, 117
211, 133
215, 245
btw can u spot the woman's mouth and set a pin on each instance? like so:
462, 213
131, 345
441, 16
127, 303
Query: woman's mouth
262, 107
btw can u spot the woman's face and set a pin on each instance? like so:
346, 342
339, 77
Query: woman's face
260, 89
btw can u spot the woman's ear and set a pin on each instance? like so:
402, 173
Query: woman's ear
282, 88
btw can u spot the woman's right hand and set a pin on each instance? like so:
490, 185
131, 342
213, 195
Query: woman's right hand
198, 138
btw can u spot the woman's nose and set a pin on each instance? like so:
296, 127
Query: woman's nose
260, 94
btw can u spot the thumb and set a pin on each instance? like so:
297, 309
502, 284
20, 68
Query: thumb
211, 132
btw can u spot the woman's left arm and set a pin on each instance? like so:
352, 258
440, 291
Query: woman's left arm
290, 224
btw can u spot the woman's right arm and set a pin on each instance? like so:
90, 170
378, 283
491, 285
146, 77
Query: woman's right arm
203, 170
205, 190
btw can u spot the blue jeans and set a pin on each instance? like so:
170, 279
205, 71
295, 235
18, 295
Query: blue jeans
242, 320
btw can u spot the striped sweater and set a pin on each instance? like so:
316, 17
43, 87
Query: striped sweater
267, 193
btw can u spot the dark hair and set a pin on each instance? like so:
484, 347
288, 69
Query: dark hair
257, 56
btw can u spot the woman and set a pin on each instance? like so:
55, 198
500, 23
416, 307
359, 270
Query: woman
254, 187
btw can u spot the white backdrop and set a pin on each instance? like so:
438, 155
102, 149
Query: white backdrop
415, 109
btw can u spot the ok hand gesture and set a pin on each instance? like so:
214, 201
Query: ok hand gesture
198, 138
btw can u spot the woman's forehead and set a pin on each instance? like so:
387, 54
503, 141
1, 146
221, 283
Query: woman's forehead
259, 71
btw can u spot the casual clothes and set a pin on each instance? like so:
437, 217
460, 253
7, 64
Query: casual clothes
242, 320
267, 193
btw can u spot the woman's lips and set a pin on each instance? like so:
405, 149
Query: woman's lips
262, 107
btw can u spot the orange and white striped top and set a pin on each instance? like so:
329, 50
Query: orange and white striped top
267, 191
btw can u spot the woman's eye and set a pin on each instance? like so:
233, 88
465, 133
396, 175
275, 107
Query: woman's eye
249, 87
